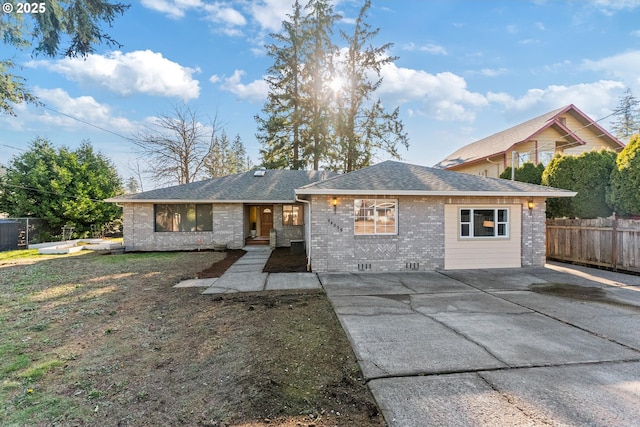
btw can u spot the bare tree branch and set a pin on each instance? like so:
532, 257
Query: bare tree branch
177, 145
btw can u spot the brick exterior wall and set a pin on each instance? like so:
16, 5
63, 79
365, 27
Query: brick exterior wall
534, 233
418, 244
286, 233
139, 234
420, 241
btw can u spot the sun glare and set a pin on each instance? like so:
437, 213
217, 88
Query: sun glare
336, 84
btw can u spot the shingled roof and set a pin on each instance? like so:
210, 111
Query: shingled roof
397, 178
274, 186
501, 142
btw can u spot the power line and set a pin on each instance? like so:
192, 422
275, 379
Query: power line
88, 123
11, 146
50, 192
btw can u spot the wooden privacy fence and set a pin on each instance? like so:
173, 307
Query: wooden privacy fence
603, 242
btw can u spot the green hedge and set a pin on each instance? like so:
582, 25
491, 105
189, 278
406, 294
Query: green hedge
588, 174
624, 190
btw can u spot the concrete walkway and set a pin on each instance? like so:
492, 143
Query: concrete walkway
246, 275
531, 346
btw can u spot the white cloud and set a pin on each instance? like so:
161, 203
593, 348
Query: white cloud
610, 6
431, 48
270, 13
256, 91
623, 66
491, 72
134, 72
222, 13
63, 110
171, 8
595, 99
444, 96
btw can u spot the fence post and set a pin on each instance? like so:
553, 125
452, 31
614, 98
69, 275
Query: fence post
614, 243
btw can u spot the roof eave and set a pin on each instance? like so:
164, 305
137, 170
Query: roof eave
171, 201
336, 192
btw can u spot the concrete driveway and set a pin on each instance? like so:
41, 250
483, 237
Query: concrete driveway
529, 347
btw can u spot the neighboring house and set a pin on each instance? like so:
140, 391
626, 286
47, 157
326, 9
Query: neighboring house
391, 216
566, 130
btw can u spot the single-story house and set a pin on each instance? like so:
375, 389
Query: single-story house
566, 130
391, 216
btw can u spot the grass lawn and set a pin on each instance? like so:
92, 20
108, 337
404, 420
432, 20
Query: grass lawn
90, 339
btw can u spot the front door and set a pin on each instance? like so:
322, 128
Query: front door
266, 220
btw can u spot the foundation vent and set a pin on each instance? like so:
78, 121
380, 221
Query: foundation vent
364, 267
412, 266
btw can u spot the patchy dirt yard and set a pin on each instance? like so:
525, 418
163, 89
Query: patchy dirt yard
283, 261
106, 340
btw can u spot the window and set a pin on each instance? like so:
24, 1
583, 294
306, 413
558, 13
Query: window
484, 223
375, 216
292, 215
185, 217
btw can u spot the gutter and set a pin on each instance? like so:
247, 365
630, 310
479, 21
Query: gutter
308, 203
445, 193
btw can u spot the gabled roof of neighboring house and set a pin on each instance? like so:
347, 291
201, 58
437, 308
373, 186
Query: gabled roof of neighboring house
501, 142
258, 186
397, 178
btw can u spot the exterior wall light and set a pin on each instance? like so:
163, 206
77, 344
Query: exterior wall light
334, 202
530, 205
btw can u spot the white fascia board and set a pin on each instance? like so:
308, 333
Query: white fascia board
438, 193
207, 201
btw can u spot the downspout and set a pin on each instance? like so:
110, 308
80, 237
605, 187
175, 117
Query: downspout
307, 202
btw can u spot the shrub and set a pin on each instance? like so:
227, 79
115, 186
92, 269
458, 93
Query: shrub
624, 190
587, 174
528, 172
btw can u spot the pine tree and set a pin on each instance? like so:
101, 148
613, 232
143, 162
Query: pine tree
627, 116
280, 132
309, 119
237, 156
226, 158
317, 76
76, 22
217, 162
363, 126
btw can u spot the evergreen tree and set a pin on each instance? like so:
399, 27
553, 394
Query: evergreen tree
627, 115
528, 172
280, 132
217, 161
61, 186
226, 158
78, 21
237, 156
309, 118
362, 126
317, 76
588, 175
132, 185
624, 192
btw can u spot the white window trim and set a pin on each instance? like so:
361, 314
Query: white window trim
507, 223
375, 233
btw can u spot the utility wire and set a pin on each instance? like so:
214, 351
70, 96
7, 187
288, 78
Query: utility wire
48, 192
89, 123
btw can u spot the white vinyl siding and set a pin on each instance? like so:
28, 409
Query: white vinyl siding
487, 252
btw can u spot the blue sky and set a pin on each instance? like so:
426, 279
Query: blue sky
466, 69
